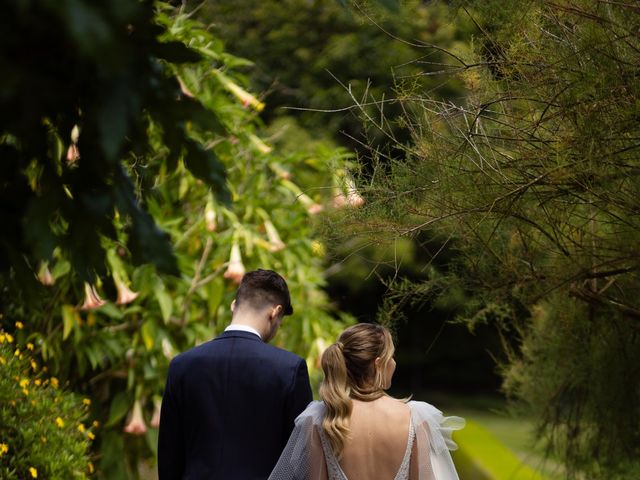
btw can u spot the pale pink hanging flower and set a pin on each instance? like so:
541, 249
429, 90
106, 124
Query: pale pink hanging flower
44, 275
91, 298
354, 199
312, 207
351, 199
135, 425
259, 144
275, 242
210, 217
339, 200
245, 97
125, 295
167, 349
155, 419
184, 89
280, 171
73, 154
235, 270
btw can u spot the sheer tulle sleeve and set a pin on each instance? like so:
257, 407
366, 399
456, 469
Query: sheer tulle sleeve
303, 457
431, 458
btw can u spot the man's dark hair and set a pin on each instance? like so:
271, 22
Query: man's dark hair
260, 288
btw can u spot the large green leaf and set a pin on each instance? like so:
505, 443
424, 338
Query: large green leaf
206, 166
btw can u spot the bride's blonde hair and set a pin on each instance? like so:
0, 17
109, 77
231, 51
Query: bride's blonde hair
350, 372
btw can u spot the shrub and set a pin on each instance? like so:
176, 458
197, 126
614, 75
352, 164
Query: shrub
42, 434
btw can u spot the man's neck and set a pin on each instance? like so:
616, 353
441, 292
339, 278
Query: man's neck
243, 328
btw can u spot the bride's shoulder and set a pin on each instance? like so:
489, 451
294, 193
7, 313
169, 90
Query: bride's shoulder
423, 407
314, 412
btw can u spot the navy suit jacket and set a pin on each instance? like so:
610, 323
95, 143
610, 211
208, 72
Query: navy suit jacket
228, 409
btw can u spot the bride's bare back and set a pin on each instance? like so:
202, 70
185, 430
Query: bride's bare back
377, 440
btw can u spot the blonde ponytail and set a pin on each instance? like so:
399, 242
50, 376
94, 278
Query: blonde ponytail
335, 391
350, 372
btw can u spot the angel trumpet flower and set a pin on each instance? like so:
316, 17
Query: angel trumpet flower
167, 349
125, 295
245, 97
184, 89
73, 154
91, 298
235, 270
259, 144
135, 425
275, 242
311, 206
351, 199
339, 200
210, 217
280, 171
354, 199
155, 419
44, 275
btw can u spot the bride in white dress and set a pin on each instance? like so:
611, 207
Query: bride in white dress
357, 431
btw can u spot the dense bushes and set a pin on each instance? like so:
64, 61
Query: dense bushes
45, 430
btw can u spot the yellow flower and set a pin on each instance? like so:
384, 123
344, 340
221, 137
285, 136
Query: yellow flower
81, 428
4, 448
38, 382
16, 353
95, 424
91, 467
2, 361
91, 436
59, 422
54, 382
33, 472
24, 382
8, 337
318, 248
86, 401
19, 325
30, 346
25, 391
34, 365
2, 337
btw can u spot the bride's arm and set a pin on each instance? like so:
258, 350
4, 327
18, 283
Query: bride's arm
318, 462
303, 457
433, 442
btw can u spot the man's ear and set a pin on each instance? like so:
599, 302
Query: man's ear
275, 311
233, 306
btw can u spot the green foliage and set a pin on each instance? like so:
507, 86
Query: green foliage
116, 345
83, 82
533, 183
321, 57
599, 358
43, 430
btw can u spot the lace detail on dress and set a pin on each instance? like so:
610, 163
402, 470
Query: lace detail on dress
334, 471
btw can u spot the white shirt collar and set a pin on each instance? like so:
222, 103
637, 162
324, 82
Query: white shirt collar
242, 328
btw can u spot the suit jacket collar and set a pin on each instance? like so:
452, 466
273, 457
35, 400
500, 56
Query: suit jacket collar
239, 334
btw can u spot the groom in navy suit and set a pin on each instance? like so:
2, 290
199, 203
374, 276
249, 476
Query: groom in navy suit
229, 404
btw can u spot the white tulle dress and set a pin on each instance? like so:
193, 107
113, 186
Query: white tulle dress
308, 454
